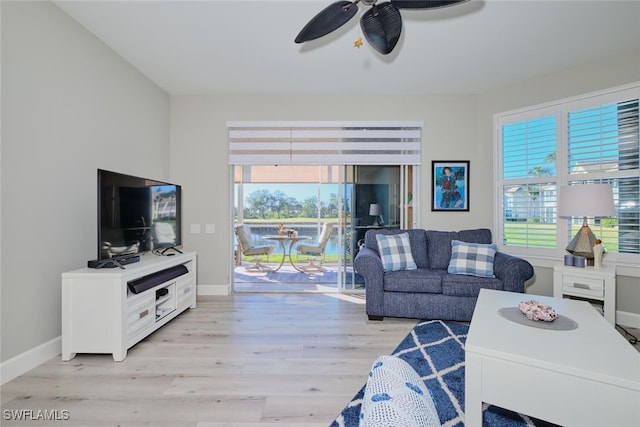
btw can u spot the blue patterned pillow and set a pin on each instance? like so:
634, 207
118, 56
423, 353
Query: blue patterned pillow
473, 259
395, 395
395, 252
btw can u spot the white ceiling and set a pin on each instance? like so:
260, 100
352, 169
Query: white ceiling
241, 46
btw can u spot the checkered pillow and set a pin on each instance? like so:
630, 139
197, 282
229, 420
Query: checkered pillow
473, 259
395, 252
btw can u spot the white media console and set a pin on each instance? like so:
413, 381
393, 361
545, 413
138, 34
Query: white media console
100, 313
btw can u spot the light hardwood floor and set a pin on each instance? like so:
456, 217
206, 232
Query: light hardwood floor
245, 360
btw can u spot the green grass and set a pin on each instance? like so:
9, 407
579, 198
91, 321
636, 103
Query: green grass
522, 234
545, 236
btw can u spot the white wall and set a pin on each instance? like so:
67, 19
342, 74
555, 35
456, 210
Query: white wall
456, 127
599, 75
199, 156
70, 105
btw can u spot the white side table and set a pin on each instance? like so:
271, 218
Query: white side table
588, 282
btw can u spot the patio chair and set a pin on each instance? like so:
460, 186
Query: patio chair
243, 233
315, 251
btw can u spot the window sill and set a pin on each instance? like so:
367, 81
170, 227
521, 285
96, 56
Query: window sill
622, 269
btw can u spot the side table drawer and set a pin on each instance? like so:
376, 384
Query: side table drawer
583, 286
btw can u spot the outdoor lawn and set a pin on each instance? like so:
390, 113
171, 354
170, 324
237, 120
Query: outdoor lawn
545, 235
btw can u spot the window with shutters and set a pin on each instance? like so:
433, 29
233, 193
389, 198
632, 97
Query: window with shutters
590, 139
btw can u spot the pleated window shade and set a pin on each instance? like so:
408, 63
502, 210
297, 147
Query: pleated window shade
331, 143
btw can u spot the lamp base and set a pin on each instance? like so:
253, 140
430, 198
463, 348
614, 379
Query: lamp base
582, 243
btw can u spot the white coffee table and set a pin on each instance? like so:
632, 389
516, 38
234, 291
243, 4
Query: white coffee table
589, 376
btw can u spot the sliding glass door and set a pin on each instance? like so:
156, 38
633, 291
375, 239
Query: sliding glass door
283, 201
379, 197
276, 200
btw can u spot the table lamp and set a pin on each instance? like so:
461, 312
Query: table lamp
375, 210
585, 200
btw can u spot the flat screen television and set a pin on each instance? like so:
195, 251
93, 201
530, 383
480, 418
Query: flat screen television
136, 215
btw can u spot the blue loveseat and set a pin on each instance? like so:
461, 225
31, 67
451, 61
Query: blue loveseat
430, 291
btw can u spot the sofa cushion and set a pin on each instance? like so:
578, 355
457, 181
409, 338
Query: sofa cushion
468, 286
439, 248
417, 239
475, 235
395, 395
439, 243
420, 280
474, 259
395, 252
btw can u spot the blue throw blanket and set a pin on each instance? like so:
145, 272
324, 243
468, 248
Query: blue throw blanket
435, 349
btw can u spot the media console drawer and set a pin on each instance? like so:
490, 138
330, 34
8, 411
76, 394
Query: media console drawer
185, 289
140, 313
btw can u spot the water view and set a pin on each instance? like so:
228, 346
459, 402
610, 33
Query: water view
259, 231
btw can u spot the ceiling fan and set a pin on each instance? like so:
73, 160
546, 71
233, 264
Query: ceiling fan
381, 24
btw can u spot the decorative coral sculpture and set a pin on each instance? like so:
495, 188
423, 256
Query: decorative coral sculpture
535, 310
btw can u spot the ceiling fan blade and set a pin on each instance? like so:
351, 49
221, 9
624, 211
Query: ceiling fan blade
382, 25
329, 19
425, 4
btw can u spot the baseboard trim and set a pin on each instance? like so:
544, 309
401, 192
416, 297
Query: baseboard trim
625, 318
219, 290
30, 359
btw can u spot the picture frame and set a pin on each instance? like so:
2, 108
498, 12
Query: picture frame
450, 186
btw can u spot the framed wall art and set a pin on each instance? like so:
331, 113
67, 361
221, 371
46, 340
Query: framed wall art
450, 185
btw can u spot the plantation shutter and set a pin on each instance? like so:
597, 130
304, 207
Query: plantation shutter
529, 182
335, 143
604, 147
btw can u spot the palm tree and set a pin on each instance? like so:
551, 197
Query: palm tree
534, 189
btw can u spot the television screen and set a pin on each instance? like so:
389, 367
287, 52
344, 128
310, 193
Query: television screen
136, 215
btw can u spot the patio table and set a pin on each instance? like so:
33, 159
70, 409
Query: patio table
283, 239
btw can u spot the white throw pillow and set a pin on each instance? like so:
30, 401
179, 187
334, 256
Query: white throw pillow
395, 395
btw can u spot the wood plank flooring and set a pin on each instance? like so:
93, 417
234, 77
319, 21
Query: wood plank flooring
247, 360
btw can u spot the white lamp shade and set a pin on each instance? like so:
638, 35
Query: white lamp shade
586, 200
375, 209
